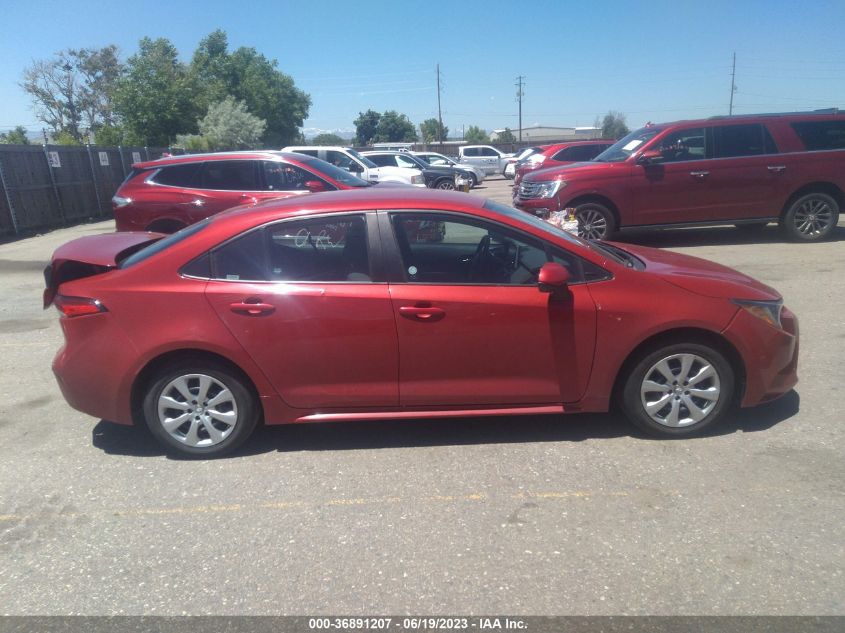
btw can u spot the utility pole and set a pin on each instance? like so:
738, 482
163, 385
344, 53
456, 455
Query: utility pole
439, 113
733, 86
519, 95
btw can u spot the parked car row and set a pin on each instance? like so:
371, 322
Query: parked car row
744, 170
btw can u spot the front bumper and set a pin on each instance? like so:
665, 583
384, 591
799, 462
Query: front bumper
540, 207
770, 355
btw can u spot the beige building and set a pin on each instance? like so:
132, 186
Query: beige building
545, 134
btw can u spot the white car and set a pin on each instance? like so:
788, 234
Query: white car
521, 155
352, 161
439, 160
488, 158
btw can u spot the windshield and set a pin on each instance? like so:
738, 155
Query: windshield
366, 161
622, 149
340, 175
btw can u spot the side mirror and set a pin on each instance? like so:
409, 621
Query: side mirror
649, 157
315, 186
553, 277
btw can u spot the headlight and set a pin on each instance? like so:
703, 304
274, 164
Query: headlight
549, 188
769, 311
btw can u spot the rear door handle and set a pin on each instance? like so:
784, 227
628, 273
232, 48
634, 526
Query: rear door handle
776, 169
425, 315
252, 308
701, 175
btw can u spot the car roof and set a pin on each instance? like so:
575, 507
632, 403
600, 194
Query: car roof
558, 146
820, 115
212, 156
366, 199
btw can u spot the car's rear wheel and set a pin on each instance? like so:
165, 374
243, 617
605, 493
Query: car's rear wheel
200, 409
595, 221
447, 184
678, 390
811, 217
474, 180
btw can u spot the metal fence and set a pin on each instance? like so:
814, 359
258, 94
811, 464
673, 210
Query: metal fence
48, 186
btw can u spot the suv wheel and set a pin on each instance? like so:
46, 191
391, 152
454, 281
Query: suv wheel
811, 217
595, 221
446, 184
678, 390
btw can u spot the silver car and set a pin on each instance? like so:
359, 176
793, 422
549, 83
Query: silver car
439, 160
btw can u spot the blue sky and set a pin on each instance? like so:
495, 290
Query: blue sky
653, 61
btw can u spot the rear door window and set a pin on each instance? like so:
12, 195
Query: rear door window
731, 141
184, 175
821, 135
489, 151
231, 175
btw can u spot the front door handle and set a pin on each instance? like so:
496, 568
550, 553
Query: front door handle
424, 315
776, 169
701, 175
252, 307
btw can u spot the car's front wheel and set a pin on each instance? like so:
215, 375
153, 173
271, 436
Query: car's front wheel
595, 221
200, 408
446, 184
678, 390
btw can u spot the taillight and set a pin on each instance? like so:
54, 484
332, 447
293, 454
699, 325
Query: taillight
120, 201
77, 306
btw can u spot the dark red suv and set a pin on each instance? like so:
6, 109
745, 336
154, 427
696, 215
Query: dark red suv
169, 194
743, 170
558, 155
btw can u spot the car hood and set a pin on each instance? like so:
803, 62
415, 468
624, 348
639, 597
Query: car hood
701, 276
556, 172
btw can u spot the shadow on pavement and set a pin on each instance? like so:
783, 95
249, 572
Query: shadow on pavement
115, 439
713, 236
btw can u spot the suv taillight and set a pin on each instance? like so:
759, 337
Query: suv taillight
120, 201
78, 306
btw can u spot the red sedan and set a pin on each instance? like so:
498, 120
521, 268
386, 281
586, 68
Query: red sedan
558, 155
339, 306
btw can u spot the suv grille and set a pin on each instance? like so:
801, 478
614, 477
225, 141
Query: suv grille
528, 190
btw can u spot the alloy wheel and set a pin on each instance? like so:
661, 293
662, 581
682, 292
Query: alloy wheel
197, 410
592, 224
813, 218
680, 390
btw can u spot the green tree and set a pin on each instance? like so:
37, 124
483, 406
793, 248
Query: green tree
395, 127
506, 136
229, 125
326, 138
432, 132
614, 126
475, 134
210, 69
365, 127
65, 138
194, 143
155, 98
16, 136
74, 89
111, 135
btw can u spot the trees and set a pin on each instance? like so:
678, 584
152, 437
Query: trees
613, 126
432, 132
155, 96
365, 127
393, 126
506, 136
16, 136
229, 125
73, 90
327, 138
475, 134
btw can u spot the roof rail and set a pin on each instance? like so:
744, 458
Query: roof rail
805, 112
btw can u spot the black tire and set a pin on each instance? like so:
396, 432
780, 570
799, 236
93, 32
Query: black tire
243, 403
474, 180
445, 184
595, 221
811, 218
676, 398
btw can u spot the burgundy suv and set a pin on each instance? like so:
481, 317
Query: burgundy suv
169, 194
743, 170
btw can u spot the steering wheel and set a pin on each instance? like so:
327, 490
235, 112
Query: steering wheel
481, 253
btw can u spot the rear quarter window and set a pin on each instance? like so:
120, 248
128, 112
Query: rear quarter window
821, 135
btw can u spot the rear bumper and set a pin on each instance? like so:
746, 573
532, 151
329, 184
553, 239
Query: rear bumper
770, 355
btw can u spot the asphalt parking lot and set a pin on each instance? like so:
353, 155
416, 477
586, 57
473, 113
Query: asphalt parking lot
533, 515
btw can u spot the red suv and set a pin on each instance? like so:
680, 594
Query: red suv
336, 308
169, 194
558, 155
743, 170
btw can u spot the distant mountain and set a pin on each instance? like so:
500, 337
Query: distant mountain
344, 133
